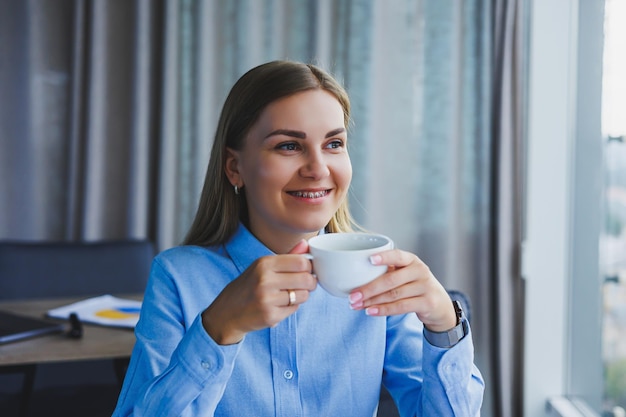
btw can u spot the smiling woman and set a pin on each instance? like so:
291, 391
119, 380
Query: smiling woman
238, 305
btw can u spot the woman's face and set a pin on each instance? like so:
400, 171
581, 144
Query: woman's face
294, 165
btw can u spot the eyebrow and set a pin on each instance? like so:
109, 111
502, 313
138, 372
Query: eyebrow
301, 135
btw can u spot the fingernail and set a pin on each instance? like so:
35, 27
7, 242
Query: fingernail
355, 296
371, 311
376, 259
356, 306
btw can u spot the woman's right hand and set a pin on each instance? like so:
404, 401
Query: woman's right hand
259, 297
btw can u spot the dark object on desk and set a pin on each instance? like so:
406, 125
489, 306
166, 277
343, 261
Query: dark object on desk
76, 327
14, 327
31, 270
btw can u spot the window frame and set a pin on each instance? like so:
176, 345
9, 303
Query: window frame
563, 351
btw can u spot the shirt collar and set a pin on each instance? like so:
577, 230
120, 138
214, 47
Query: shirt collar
244, 248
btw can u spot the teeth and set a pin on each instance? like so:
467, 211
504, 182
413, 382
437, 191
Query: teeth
311, 194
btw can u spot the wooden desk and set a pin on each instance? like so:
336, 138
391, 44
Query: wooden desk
98, 342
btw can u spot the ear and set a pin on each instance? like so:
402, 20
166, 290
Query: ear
231, 167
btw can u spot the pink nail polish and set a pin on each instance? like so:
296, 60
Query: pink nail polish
371, 311
355, 296
376, 259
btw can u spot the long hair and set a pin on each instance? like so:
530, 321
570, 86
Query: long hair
220, 210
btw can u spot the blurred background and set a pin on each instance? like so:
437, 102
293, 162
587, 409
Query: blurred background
463, 112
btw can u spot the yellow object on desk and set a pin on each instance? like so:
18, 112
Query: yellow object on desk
105, 310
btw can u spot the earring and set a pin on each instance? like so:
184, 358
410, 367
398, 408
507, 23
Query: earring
236, 190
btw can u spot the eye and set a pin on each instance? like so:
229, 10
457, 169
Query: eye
288, 146
335, 144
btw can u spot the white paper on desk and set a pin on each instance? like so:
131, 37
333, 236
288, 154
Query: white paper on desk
105, 310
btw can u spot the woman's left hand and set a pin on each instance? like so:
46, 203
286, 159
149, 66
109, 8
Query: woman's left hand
407, 286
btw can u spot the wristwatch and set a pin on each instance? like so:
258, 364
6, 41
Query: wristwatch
453, 336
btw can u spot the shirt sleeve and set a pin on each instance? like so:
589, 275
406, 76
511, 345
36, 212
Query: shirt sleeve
174, 368
427, 380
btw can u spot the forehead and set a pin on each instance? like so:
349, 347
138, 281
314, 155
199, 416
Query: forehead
306, 109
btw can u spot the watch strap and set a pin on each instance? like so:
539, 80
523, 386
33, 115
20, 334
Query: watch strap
450, 337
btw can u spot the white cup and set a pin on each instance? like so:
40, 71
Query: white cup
341, 260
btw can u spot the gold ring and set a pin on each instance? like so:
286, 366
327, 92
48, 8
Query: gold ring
292, 297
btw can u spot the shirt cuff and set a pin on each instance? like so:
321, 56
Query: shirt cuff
203, 358
453, 364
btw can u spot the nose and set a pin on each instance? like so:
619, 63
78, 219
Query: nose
315, 166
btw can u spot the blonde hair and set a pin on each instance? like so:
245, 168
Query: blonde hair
220, 210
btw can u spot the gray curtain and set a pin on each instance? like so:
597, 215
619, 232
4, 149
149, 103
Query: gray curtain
509, 47
79, 115
108, 110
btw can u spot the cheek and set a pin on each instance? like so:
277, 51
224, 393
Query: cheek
269, 173
344, 171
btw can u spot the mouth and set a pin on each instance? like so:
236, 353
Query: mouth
309, 194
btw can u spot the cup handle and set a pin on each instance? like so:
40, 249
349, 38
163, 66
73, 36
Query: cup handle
310, 258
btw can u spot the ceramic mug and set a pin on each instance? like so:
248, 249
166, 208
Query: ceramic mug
341, 260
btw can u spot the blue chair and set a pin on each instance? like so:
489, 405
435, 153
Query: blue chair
30, 270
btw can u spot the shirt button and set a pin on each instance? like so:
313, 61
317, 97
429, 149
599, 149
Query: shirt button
205, 365
288, 374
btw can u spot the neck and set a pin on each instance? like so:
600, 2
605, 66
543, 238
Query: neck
281, 243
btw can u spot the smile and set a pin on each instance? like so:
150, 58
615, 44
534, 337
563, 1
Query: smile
309, 194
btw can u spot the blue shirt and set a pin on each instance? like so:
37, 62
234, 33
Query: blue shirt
324, 360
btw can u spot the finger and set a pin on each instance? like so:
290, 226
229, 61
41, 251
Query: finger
394, 257
427, 298
405, 268
284, 263
406, 290
437, 313
301, 247
297, 281
402, 306
387, 287
294, 297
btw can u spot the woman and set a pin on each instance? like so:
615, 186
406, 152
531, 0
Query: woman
232, 323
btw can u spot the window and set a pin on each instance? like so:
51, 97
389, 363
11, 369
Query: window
563, 220
613, 236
